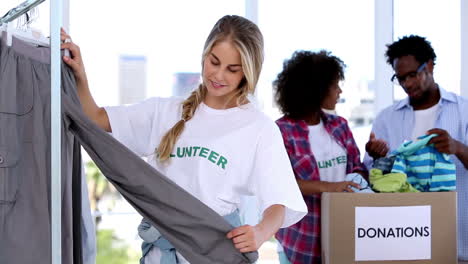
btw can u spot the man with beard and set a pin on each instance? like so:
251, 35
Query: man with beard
428, 109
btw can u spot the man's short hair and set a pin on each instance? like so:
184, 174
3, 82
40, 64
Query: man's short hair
413, 45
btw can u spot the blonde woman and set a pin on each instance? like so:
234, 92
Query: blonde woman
215, 144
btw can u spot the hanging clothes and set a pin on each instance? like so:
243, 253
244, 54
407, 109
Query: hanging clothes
25, 162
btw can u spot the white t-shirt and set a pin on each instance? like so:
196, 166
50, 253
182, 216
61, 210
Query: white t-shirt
329, 111
220, 155
330, 156
424, 120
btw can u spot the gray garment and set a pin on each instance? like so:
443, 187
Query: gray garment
198, 232
153, 238
25, 162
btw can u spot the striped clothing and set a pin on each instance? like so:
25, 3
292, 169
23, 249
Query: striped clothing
427, 169
395, 124
301, 241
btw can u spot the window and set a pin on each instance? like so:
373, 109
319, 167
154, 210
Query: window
439, 22
347, 31
168, 35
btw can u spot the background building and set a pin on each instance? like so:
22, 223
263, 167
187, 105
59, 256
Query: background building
185, 82
132, 79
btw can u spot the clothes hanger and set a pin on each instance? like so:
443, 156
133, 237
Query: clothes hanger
26, 14
19, 10
25, 32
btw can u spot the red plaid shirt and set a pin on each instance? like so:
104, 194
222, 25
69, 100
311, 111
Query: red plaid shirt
301, 241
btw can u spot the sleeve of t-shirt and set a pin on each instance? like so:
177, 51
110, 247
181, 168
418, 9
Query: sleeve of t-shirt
132, 125
272, 180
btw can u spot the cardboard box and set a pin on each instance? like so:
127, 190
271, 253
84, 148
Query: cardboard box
412, 228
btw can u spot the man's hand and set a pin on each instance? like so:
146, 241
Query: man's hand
376, 148
443, 142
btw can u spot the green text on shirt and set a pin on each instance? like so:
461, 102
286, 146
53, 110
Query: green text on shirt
214, 157
332, 162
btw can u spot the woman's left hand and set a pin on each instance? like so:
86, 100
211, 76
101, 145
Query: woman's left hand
247, 238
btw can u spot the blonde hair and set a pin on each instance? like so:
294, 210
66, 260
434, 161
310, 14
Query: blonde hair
248, 40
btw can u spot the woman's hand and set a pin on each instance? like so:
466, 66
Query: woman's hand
75, 60
247, 238
344, 186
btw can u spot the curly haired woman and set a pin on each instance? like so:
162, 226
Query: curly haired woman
320, 146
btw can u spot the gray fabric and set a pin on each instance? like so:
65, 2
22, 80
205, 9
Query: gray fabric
25, 167
197, 231
152, 237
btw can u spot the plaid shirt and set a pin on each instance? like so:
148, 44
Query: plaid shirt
301, 241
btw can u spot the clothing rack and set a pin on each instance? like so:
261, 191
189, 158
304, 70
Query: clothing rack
56, 20
20, 10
